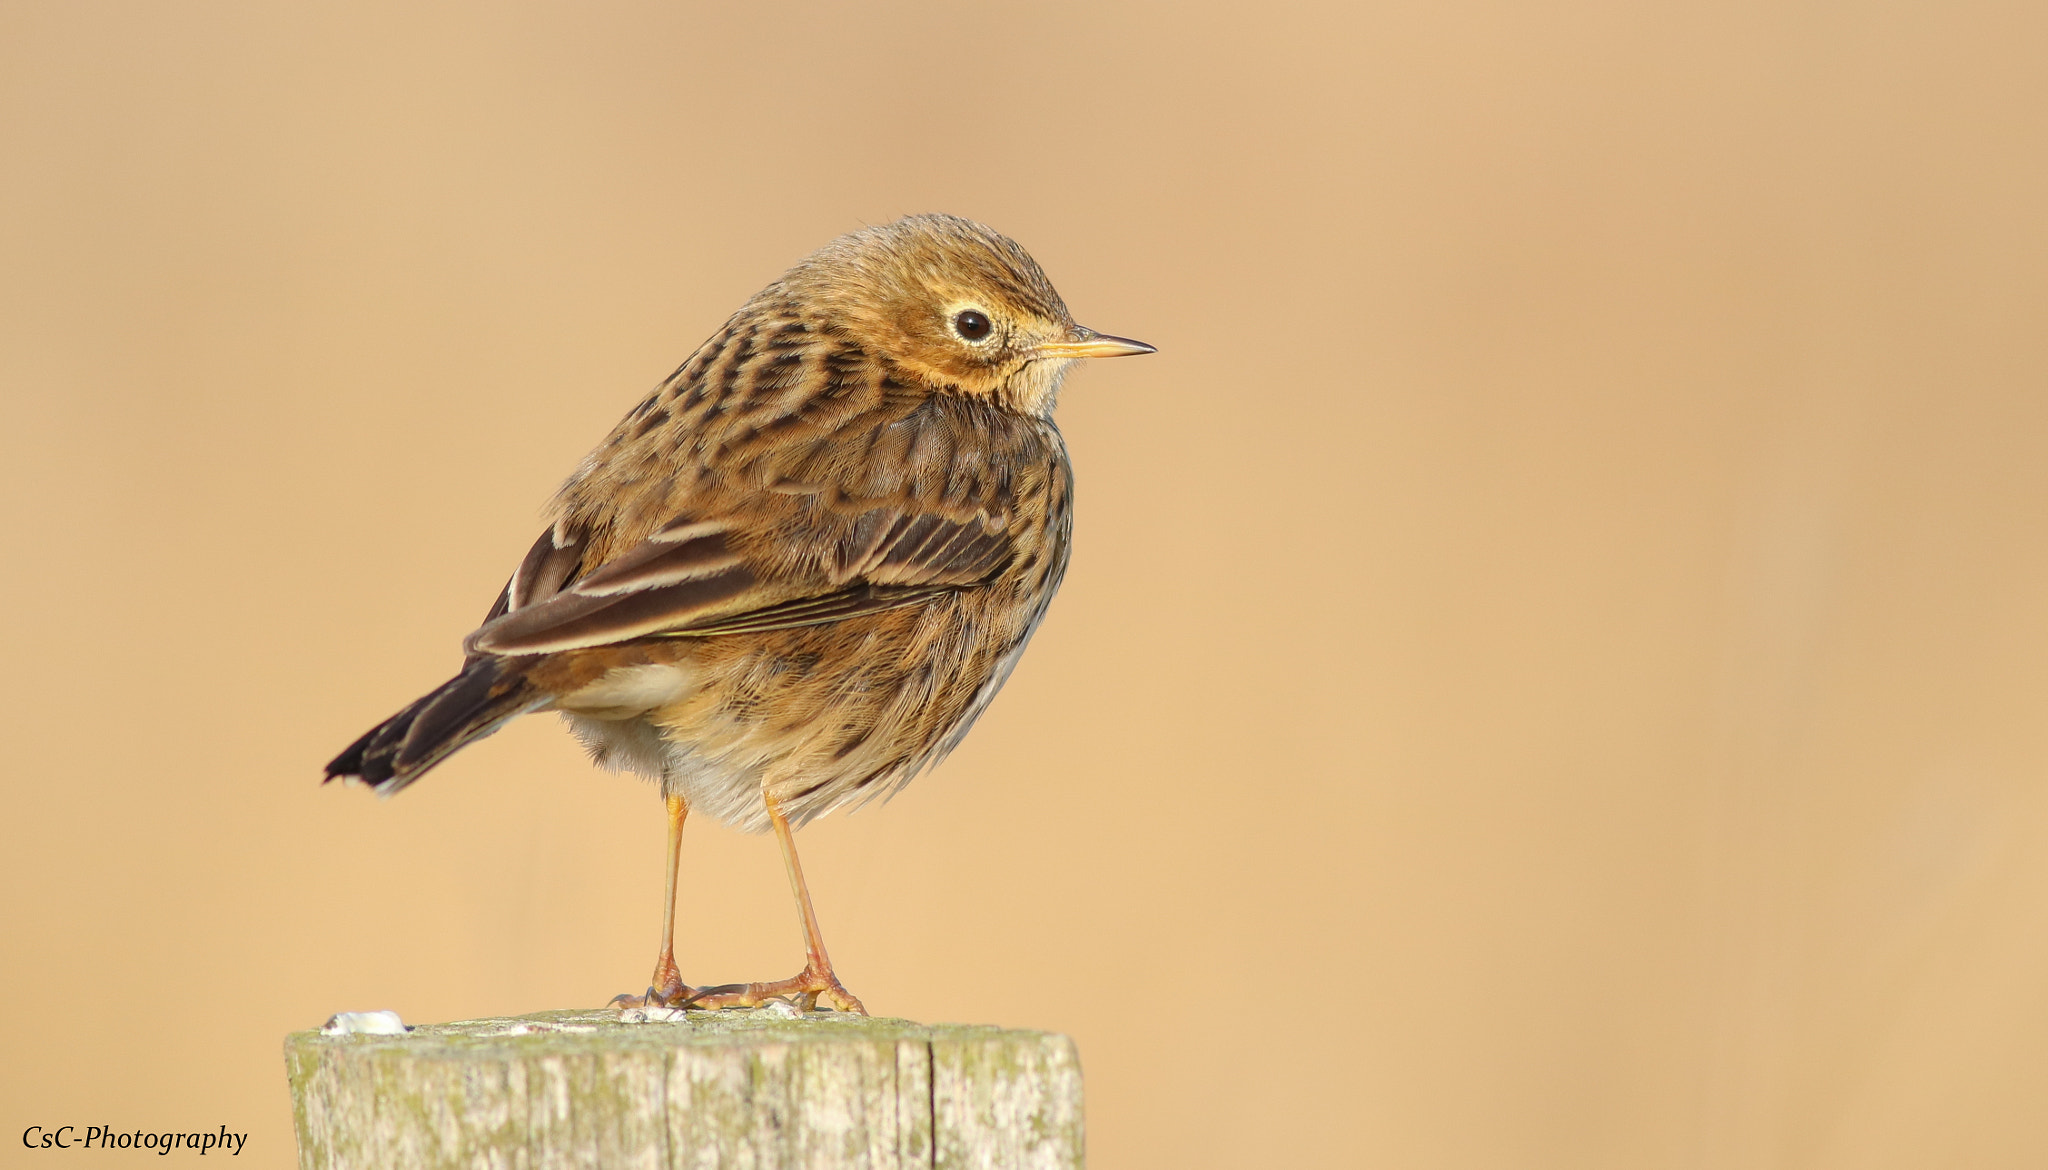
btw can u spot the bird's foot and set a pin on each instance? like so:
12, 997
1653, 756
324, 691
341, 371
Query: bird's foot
654, 997
805, 990
667, 990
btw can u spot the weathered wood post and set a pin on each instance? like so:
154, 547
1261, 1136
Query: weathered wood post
737, 1088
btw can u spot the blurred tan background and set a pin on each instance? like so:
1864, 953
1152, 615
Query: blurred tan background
1553, 669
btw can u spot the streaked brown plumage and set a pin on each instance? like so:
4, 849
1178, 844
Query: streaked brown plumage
793, 576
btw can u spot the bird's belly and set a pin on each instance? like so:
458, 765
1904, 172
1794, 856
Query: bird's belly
827, 715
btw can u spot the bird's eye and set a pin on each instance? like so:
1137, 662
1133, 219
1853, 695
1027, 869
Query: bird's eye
971, 326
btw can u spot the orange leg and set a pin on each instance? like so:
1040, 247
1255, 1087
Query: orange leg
668, 986
816, 981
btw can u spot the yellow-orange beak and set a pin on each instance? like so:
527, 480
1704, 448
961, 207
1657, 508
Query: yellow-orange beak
1087, 343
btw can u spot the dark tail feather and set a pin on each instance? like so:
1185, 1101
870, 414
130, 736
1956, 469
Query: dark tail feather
466, 708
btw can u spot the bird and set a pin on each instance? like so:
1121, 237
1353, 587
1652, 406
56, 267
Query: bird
796, 573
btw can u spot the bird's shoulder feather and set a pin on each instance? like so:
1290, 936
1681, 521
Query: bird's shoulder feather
763, 500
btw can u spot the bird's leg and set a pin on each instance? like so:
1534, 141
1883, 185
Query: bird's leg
816, 981
668, 986
668, 983
817, 977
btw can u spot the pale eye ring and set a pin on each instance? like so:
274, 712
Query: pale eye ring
972, 325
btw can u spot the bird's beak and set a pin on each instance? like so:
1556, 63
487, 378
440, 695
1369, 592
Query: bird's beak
1087, 343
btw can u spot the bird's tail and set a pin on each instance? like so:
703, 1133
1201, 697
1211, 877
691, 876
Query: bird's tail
473, 704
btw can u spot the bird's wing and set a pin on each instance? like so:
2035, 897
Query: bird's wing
553, 561
801, 563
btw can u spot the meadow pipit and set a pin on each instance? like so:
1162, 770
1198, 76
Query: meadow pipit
793, 576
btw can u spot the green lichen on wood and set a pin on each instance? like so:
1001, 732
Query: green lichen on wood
755, 1089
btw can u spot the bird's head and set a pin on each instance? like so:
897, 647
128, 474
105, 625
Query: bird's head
951, 304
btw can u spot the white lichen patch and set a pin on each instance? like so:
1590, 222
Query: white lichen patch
523, 1028
364, 1024
648, 1015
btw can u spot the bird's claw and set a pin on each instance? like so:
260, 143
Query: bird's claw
669, 991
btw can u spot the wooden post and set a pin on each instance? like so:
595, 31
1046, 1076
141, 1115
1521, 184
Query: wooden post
734, 1088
